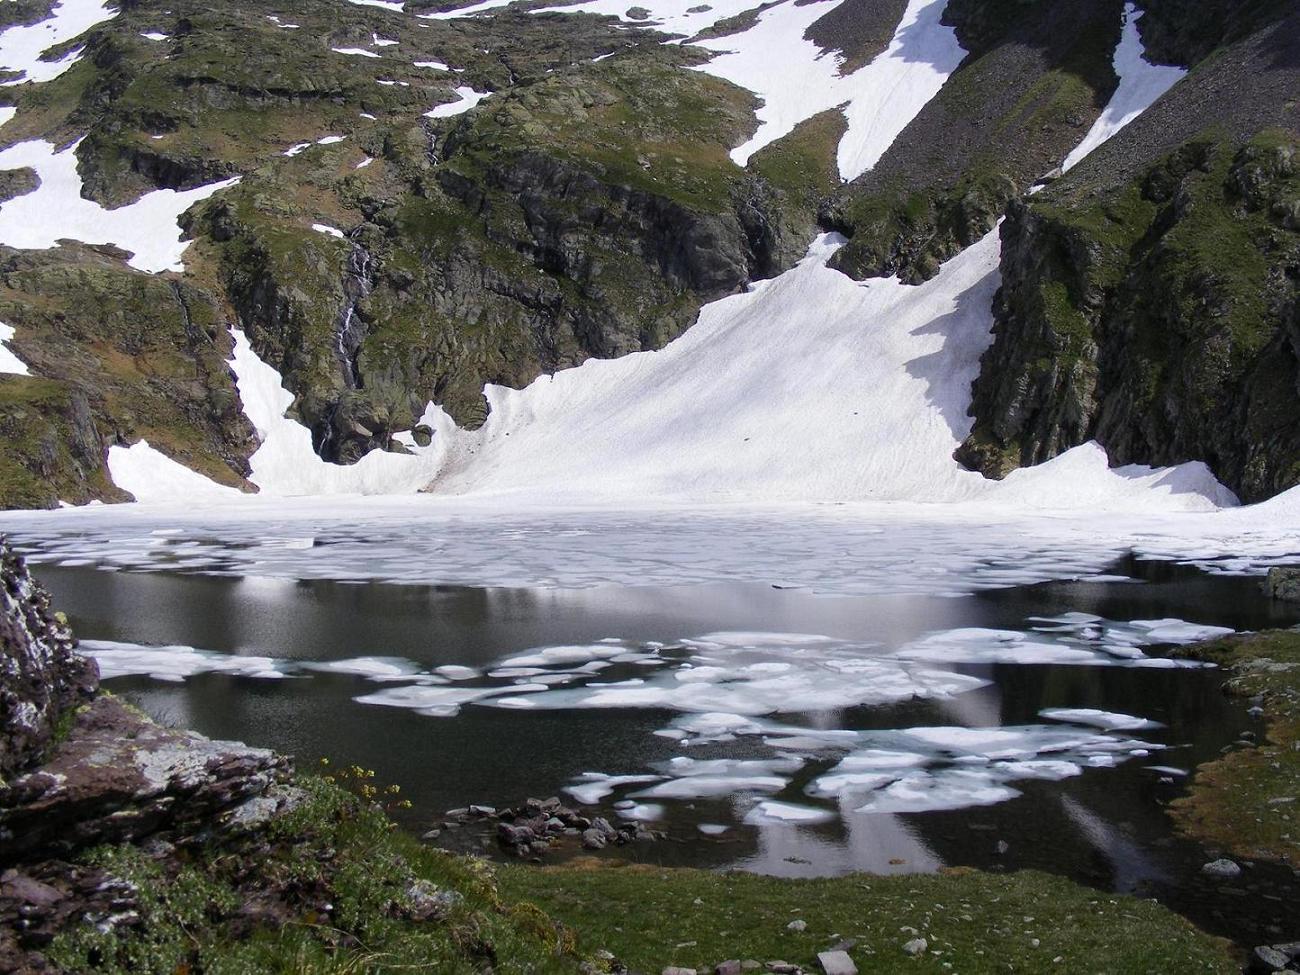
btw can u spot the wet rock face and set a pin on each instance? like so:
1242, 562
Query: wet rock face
42, 677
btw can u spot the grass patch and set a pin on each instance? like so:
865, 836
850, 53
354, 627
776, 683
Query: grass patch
1232, 802
972, 922
325, 889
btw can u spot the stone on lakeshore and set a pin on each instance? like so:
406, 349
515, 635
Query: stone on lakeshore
1284, 582
1222, 868
837, 963
1265, 960
916, 946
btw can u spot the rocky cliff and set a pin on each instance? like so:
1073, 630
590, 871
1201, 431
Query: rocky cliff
1149, 299
1036, 77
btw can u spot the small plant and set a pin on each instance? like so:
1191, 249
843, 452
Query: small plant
356, 780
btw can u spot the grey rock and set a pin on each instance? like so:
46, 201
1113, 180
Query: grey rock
594, 839
783, 968
837, 963
917, 946
1266, 960
1284, 583
42, 677
675, 970
119, 777
1222, 868
797, 926
729, 967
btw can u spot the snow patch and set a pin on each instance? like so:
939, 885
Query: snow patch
21, 47
9, 361
1140, 84
55, 211
466, 98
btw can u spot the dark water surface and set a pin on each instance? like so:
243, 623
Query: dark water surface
1106, 827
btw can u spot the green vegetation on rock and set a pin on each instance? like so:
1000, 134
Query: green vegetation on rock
650, 917
1248, 802
1158, 318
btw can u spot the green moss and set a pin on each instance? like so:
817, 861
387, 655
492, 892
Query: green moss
342, 872
973, 922
1233, 803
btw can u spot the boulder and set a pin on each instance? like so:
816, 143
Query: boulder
119, 777
1284, 582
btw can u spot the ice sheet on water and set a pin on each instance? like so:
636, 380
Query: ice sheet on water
1071, 638
175, 663
749, 674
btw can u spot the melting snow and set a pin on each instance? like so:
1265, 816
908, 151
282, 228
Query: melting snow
1140, 84
466, 98
9, 361
55, 210
360, 52
322, 228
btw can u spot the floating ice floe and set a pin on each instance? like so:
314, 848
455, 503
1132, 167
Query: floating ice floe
1106, 720
56, 211
749, 674
1073, 638
175, 663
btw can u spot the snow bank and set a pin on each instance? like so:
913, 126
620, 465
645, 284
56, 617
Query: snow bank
809, 387
21, 47
1140, 84
879, 99
150, 475
466, 97
55, 211
9, 361
285, 463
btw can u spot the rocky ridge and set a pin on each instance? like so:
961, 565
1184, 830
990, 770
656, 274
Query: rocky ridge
1152, 306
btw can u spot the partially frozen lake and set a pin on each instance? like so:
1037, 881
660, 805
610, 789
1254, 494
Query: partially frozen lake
801, 690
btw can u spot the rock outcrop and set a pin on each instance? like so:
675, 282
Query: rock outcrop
43, 680
78, 769
1151, 299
